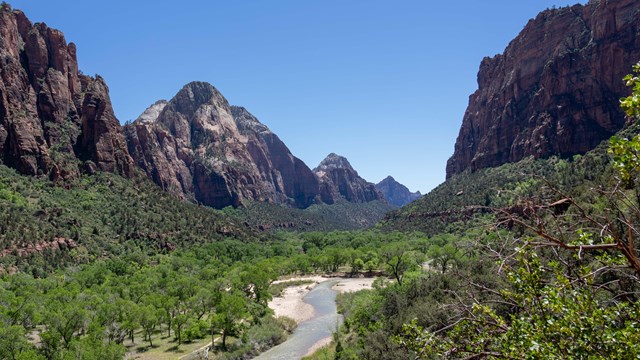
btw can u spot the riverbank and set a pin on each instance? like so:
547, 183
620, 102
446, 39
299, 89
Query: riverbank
292, 305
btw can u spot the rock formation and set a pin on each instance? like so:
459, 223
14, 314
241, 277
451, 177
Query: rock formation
54, 121
554, 90
339, 180
289, 175
200, 147
396, 193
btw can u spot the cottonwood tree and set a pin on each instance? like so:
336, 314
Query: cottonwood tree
149, 320
229, 316
399, 260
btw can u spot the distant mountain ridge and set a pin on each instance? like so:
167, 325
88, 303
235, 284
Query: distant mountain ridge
554, 90
338, 180
396, 193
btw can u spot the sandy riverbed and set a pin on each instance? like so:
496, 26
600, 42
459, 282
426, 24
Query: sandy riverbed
291, 305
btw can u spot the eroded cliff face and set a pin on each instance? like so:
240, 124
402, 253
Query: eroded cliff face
54, 121
200, 147
555, 90
339, 180
289, 175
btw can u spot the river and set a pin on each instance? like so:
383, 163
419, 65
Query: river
324, 323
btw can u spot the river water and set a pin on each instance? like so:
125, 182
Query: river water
324, 323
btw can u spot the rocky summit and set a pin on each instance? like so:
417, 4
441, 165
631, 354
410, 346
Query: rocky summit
54, 121
338, 180
554, 90
396, 193
198, 146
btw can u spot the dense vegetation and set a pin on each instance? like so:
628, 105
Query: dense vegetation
218, 291
553, 274
455, 204
104, 215
342, 215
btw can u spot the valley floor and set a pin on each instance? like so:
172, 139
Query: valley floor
291, 303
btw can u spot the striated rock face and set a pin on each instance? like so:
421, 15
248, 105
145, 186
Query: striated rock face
555, 90
289, 175
396, 193
200, 147
52, 118
339, 180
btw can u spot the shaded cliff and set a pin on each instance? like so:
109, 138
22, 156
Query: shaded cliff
554, 90
396, 193
54, 121
198, 146
339, 180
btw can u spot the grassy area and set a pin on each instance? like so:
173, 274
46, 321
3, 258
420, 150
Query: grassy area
324, 353
276, 289
164, 347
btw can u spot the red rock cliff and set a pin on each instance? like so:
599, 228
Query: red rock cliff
554, 90
53, 120
200, 147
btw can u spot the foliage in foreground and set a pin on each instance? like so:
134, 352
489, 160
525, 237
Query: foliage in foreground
565, 271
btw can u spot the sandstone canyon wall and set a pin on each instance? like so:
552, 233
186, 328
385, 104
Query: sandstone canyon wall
554, 90
54, 121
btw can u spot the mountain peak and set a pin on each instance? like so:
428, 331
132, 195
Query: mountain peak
334, 161
194, 95
396, 193
338, 179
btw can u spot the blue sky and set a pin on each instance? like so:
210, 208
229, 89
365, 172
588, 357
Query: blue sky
383, 83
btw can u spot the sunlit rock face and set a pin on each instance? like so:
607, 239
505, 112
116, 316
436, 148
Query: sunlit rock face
556, 88
54, 121
198, 146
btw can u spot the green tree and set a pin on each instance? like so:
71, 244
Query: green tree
336, 257
149, 321
229, 316
178, 324
444, 256
14, 344
65, 316
399, 260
